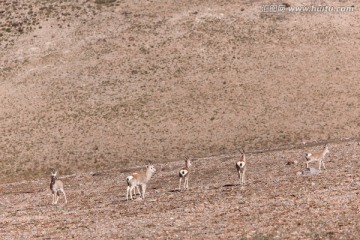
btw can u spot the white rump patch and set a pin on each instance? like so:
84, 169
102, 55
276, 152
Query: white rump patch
241, 164
129, 178
183, 172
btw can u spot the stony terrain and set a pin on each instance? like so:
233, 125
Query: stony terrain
276, 203
96, 88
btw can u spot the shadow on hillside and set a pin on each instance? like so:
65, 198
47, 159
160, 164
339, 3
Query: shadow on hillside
174, 190
231, 185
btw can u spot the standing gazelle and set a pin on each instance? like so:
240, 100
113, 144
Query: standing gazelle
317, 156
184, 174
128, 178
56, 186
241, 168
139, 179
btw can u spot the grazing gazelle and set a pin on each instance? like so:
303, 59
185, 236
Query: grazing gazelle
139, 179
317, 156
241, 168
184, 174
56, 186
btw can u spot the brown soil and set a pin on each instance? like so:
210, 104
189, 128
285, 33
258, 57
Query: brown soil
104, 85
275, 203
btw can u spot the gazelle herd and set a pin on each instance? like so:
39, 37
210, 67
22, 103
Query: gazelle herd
140, 180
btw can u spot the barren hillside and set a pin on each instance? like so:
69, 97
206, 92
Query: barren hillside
100, 84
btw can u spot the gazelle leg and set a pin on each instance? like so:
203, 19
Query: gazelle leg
243, 177
143, 188
64, 196
131, 192
138, 189
180, 184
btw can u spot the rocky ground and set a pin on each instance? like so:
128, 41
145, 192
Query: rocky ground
275, 203
95, 88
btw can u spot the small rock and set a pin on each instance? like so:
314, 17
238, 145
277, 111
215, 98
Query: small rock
311, 171
292, 162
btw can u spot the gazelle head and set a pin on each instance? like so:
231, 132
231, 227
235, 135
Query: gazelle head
150, 167
188, 162
242, 151
53, 172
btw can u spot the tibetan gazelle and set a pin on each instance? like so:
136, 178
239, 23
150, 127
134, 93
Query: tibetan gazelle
241, 168
184, 174
56, 186
139, 179
317, 156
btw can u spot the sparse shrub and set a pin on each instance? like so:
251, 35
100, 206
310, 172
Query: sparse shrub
104, 1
